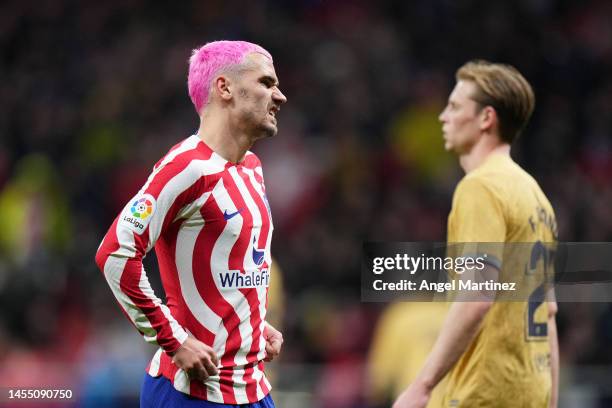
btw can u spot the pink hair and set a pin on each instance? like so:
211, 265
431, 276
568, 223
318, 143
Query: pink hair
209, 60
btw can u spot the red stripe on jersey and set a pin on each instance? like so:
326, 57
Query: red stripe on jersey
141, 242
130, 285
165, 249
168, 172
110, 244
262, 381
236, 263
197, 388
261, 206
244, 240
169, 367
213, 298
250, 161
166, 366
251, 386
256, 318
192, 193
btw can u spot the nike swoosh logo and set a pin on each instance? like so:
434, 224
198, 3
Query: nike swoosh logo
229, 216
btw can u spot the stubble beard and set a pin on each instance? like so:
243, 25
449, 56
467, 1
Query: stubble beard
259, 128
266, 131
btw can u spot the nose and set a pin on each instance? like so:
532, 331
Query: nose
442, 116
279, 97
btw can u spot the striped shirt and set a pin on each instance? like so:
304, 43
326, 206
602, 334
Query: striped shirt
211, 227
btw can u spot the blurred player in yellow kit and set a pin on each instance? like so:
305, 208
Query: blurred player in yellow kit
391, 365
494, 353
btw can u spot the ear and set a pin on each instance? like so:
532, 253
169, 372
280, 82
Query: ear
488, 118
223, 88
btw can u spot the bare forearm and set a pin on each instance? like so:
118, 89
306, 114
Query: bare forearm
554, 361
460, 328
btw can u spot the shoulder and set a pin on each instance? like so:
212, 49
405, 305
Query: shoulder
497, 179
474, 186
192, 158
178, 152
477, 196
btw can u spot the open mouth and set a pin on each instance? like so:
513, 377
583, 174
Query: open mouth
272, 114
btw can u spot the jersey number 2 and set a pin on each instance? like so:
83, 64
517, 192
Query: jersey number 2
539, 253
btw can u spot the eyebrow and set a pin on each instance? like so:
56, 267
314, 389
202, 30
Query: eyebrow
269, 79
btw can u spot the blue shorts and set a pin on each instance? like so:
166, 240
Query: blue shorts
158, 392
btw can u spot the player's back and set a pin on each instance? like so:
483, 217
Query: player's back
507, 364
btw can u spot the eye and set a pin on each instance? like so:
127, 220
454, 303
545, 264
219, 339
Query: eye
268, 82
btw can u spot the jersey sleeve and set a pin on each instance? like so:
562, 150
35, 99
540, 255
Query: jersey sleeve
170, 189
477, 217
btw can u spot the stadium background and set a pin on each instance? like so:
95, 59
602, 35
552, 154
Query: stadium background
93, 93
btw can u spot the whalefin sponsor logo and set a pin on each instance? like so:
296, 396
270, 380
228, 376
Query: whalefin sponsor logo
138, 215
236, 279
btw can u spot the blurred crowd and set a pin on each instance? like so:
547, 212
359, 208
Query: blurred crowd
94, 93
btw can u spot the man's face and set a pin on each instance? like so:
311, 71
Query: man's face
258, 97
460, 119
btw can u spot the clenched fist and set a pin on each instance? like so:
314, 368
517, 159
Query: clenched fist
274, 342
197, 359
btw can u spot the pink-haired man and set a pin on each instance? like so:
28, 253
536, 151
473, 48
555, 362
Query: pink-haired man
205, 211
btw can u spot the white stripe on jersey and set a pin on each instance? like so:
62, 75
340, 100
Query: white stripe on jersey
185, 245
190, 209
172, 189
268, 385
125, 238
262, 291
154, 368
188, 144
219, 261
177, 331
181, 381
248, 262
113, 269
257, 374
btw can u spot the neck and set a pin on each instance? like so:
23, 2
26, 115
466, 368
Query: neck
225, 139
481, 151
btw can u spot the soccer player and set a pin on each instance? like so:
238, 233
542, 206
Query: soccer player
496, 354
205, 211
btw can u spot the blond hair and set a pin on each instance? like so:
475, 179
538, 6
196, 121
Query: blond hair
502, 87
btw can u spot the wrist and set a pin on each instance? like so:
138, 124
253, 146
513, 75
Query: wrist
177, 346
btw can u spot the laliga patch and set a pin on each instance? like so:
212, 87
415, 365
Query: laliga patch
137, 215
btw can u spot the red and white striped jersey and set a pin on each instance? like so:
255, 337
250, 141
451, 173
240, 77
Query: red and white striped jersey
211, 227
